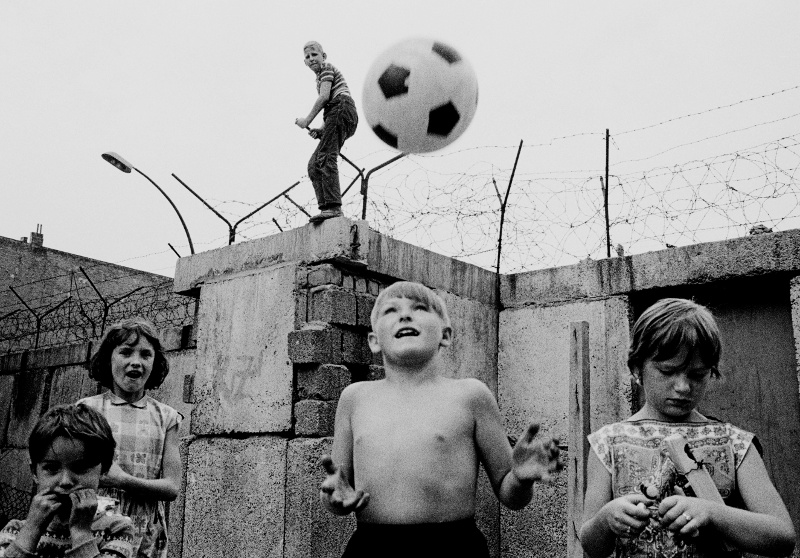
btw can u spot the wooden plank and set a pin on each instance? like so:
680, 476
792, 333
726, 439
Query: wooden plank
579, 429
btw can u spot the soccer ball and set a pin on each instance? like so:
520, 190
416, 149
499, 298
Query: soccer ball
420, 95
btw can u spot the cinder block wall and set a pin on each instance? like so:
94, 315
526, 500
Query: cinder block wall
282, 329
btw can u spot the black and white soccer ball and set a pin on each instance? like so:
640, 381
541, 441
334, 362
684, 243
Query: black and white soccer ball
420, 95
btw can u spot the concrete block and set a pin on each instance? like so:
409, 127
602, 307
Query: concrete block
50, 357
373, 287
534, 360
361, 285
332, 305
71, 383
6, 392
540, 529
243, 375
314, 418
324, 274
364, 304
175, 509
355, 348
29, 401
487, 513
300, 308
310, 529
235, 497
334, 239
181, 364
325, 382
348, 282
315, 344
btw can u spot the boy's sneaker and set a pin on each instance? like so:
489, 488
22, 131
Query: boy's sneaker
326, 214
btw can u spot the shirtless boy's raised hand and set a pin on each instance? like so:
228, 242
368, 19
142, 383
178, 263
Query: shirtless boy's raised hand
336, 492
536, 459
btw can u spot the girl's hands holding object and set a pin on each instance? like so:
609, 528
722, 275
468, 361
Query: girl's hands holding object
627, 516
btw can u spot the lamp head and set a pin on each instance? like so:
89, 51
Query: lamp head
117, 161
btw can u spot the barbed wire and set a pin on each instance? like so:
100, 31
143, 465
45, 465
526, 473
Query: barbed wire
81, 316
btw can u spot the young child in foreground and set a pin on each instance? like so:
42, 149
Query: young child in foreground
147, 467
634, 502
70, 447
339, 122
406, 448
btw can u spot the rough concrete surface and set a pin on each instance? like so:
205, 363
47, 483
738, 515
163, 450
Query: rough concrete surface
401, 260
6, 391
534, 361
473, 352
540, 529
71, 383
333, 239
688, 265
311, 530
171, 391
243, 379
31, 390
235, 497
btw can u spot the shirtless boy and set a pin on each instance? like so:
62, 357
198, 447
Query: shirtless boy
406, 448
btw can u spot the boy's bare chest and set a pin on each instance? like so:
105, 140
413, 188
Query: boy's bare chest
396, 421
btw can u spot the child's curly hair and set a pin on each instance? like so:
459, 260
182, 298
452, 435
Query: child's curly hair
100, 364
670, 324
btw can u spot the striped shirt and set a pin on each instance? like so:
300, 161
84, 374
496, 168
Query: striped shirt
331, 74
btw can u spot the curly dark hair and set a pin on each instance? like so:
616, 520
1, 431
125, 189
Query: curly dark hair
100, 364
78, 422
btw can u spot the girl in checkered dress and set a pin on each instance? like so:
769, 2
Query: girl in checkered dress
147, 469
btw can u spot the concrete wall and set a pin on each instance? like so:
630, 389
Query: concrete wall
282, 327
281, 331
749, 283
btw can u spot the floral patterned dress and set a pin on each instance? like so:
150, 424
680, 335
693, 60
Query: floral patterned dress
634, 454
140, 431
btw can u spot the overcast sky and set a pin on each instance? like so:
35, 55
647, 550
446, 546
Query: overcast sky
210, 91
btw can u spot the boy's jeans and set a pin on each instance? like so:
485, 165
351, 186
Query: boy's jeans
341, 119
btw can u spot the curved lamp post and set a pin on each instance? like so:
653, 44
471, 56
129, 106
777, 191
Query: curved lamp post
125, 166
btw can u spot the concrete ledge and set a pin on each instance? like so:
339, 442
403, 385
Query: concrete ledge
334, 239
689, 265
405, 261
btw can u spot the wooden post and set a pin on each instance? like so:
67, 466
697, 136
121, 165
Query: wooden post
579, 428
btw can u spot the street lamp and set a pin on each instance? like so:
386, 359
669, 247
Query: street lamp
125, 166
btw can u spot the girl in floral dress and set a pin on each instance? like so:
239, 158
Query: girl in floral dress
635, 505
147, 469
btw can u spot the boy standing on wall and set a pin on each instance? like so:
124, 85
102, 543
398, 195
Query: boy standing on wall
339, 123
406, 448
